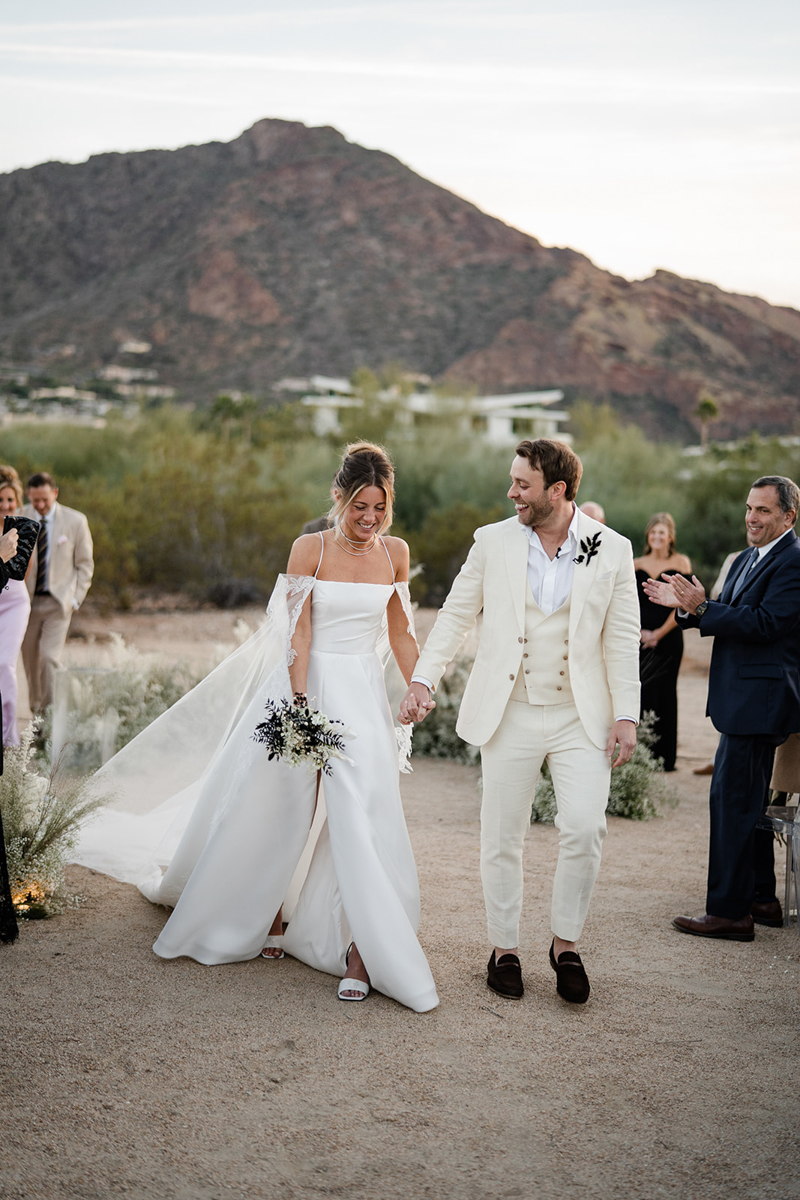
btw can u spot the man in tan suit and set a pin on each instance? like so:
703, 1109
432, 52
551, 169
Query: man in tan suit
556, 677
58, 580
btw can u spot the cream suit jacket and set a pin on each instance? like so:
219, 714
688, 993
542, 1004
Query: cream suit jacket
71, 563
603, 630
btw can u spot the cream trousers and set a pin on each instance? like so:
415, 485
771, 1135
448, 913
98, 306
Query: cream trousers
41, 649
527, 735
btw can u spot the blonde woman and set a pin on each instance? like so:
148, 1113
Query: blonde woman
15, 609
248, 842
662, 640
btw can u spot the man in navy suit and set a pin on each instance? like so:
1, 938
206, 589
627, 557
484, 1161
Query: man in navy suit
753, 700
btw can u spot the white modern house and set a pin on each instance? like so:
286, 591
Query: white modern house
499, 420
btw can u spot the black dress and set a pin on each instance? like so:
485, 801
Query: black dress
8, 919
659, 672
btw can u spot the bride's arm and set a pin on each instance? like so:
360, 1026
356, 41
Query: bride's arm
303, 560
403, 642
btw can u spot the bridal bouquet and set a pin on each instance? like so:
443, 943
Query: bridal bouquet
298, 733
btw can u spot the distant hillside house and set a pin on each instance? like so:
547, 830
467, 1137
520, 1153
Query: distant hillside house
498, 420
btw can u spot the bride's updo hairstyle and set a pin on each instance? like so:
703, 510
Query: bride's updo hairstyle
363, 465
10, 479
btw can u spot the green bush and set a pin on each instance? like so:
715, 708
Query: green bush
41, 817
638, 790
436, 736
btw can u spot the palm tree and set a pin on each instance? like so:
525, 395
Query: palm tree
707, 411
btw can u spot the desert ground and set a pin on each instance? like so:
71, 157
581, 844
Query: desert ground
126, 1074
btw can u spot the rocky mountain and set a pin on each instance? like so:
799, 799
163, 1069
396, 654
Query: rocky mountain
291, 251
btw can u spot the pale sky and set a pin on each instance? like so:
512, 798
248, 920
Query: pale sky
644, 134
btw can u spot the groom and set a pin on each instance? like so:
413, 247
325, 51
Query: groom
556, 677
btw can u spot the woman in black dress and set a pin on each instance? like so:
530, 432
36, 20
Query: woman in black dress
662, 640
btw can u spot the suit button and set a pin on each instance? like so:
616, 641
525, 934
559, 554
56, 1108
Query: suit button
566, 656
520, 640
527, 672
566, 641
558, 689
511, 677
524, 639
525, 655
561, 672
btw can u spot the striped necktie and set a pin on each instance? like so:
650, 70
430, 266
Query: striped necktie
744, 573
41, 565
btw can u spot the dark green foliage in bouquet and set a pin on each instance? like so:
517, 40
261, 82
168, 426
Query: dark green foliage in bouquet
638, 789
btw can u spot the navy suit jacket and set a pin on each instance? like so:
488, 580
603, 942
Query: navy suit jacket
754, 680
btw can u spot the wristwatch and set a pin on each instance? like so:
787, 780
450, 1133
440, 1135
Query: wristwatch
701, 608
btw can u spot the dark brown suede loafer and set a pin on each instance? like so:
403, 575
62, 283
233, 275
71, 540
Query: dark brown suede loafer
767, 913
717, 927
505, 976
572, 982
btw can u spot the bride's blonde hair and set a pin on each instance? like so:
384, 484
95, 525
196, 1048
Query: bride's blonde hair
364, 465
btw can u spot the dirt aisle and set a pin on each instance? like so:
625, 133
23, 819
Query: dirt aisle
124, 1074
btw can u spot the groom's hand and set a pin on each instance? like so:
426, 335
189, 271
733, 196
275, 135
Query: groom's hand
416, 704
623, 735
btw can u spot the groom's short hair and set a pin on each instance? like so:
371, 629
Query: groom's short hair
556, 461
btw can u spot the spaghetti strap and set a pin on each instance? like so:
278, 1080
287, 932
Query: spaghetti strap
321, 552
388, 555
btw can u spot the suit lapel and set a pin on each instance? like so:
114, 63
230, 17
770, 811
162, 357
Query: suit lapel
733, 575
516, 560
764, 562
583, 573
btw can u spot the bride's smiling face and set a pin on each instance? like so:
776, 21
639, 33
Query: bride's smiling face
364, 515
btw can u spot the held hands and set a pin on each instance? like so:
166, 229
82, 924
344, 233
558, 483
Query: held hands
8, 545
416, 704
624, 735
648, 639
673, 591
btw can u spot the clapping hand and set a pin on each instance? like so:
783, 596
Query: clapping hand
673, 591
8, 545
416, 704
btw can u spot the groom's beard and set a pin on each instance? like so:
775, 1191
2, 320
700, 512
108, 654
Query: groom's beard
536, 513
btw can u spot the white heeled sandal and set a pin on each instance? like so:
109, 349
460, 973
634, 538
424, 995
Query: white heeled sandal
352, 985
272, 942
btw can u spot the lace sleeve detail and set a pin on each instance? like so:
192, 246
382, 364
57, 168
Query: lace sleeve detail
286, 604
405, 599
404, 734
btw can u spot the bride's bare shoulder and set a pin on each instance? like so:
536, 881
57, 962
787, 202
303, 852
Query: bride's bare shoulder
399, 554
304, 555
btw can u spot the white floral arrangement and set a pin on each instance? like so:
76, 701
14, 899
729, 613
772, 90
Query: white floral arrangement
298, 734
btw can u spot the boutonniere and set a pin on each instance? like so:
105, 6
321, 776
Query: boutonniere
589, 546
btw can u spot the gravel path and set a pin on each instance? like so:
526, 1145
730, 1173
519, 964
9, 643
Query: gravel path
125, 1074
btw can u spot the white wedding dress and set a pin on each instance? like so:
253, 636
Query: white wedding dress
201, 819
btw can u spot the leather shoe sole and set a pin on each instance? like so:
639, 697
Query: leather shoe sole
505, 976
769, 913
717, 927
572, 982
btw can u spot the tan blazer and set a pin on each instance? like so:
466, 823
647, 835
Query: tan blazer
603, 630
71, 563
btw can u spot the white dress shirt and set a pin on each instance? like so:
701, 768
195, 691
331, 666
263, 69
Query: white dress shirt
550, 579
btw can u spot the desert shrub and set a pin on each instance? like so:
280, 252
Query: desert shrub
638, 790
41, 816
442, 545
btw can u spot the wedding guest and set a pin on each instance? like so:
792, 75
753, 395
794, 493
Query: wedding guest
662, 640
8, 920
591, 508
753, 701
15, 607
715, 593
58, 579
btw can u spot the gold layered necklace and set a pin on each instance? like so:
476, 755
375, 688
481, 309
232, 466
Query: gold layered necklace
337, 533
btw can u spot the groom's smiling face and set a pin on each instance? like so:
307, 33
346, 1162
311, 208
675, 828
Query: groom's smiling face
530, 496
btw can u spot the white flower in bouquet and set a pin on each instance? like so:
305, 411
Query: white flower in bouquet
298, 734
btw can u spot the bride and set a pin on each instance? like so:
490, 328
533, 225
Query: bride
202, 820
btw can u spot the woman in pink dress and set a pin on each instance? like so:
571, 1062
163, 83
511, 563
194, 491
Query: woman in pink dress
15, 608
